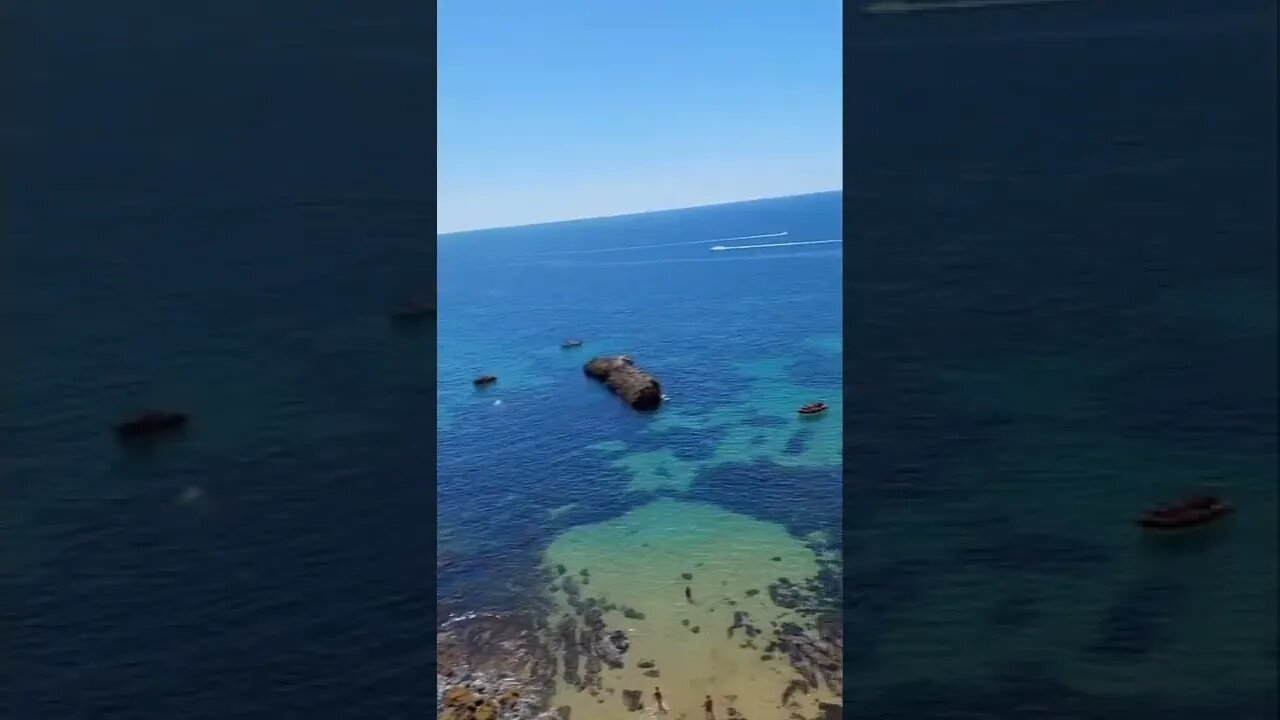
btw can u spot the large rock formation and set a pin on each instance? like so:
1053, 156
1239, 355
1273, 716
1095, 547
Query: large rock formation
619, 374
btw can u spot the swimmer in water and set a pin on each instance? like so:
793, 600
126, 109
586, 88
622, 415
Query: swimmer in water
657, 697
688, 594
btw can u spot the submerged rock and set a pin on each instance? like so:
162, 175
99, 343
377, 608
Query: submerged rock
639, 389
631, 700
792, 688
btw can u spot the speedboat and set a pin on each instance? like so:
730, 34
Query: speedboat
1199, 510
813, 408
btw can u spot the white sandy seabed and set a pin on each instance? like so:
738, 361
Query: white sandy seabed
638, 561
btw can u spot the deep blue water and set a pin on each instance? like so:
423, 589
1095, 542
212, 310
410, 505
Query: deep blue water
211, 208
1060, 295
648, 286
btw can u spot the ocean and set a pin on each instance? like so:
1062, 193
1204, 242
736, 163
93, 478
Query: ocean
1060, 303
553, 494
212, 209
1060, 306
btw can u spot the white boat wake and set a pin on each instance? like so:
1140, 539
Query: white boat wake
665, 245
769, 245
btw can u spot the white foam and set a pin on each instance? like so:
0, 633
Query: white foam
769, 245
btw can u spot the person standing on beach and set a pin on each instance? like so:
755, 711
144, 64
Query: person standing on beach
707, 708
657, 697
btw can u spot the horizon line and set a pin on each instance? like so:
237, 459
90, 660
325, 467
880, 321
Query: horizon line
634, 212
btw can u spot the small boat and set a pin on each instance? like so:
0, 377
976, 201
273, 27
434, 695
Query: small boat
571, 344
1191, 512
484, 380
813, 408
151, 422
412, 310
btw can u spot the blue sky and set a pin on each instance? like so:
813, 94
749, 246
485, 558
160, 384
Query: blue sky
563, 109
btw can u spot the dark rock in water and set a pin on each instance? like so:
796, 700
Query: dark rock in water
753, 592
766, 657
651, 673
560, 570
151, 423
645, 664
631, 700
775, 558
612, 649
484, 380
793, 687
584, 572
685, 622
619, 640
564, 712
696, 629
790, 628
571, 586
687, 576
633, 614
639, 389
786, 595
830, 711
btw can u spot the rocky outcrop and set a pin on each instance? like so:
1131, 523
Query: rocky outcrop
493, 667
619, 374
